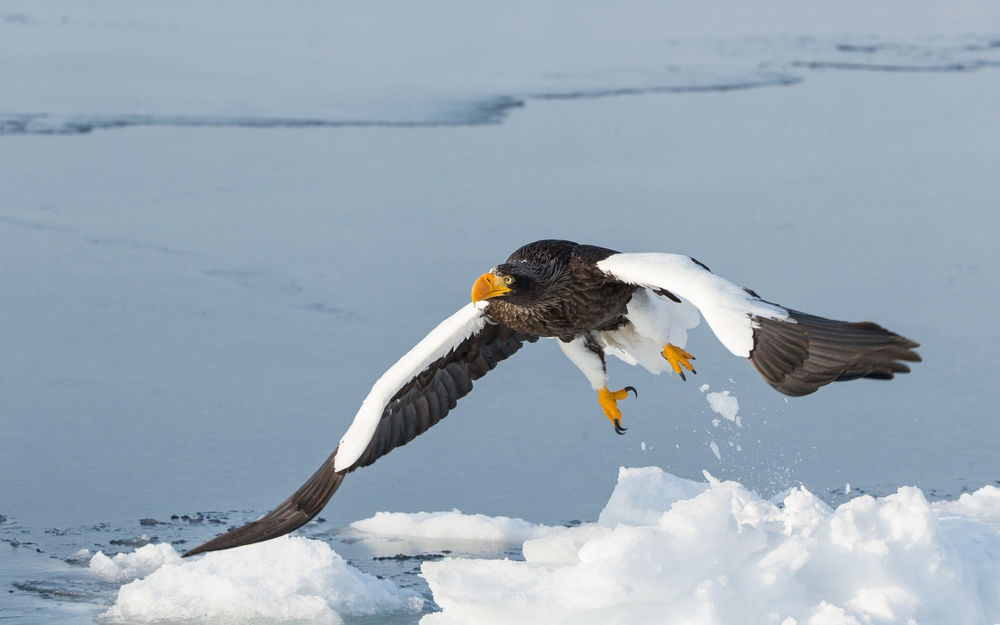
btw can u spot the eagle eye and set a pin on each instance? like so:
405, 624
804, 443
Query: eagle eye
508, 280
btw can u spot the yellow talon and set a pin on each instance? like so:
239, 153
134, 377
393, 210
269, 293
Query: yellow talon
609, 404
678, 358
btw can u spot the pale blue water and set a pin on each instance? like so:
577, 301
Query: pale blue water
192, 314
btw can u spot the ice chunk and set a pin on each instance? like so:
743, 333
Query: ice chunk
452, 525
128, 566
644, 494
724, 404
562, 544
81, 557
669, 550
982, 505
285, 579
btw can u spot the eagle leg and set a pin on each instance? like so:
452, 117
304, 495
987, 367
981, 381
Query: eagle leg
678, 358
609, 404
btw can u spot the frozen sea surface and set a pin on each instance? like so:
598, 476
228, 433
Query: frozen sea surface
663, 550
245, 64
219, 223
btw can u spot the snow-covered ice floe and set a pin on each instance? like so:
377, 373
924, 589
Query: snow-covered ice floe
283, 580
125, 567
669, 550
451, 526
664, 550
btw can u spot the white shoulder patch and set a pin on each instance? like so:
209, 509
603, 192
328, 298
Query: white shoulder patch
727, 307
442, 339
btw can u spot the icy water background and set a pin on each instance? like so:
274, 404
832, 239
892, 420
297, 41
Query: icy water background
219, 224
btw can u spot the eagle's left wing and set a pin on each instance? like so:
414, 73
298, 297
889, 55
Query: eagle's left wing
794, 352
414, 394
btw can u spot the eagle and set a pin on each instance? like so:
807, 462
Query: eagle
594, 302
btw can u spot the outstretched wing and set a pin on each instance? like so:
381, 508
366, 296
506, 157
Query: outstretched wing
414, 394
795, 352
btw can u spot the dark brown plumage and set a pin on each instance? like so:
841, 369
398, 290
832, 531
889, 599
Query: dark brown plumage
558, 291
800, 356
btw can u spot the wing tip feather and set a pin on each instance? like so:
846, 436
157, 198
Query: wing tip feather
799, 355
291, 514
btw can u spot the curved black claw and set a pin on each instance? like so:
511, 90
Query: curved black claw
631, 388
681, 373
619, 430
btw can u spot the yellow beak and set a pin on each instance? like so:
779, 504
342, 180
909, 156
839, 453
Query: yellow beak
487, 286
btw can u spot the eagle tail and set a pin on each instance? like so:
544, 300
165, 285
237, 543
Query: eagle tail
799, 354
294, 512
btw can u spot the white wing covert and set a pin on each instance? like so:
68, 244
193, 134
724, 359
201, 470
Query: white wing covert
728, 308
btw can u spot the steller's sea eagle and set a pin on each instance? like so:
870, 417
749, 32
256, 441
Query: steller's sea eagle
595, 301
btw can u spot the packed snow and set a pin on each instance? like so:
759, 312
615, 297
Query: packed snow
128, 566
282, 580
982, 505
669, 550
664, 550
450, 525
641, 494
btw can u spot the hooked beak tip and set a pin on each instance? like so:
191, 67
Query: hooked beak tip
487, 286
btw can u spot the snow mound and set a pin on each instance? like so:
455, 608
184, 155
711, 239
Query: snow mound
668, 550
452, 525
128, 566
644, 494
283, 580
982, 505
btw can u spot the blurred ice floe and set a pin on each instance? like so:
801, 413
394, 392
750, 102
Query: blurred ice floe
281, 580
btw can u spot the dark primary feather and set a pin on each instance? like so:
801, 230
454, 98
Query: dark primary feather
798, 358
421, 403
292, 513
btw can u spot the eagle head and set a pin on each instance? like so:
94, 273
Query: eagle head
517, 283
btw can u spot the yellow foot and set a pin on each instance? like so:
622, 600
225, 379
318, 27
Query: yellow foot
678, 358
609, 404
